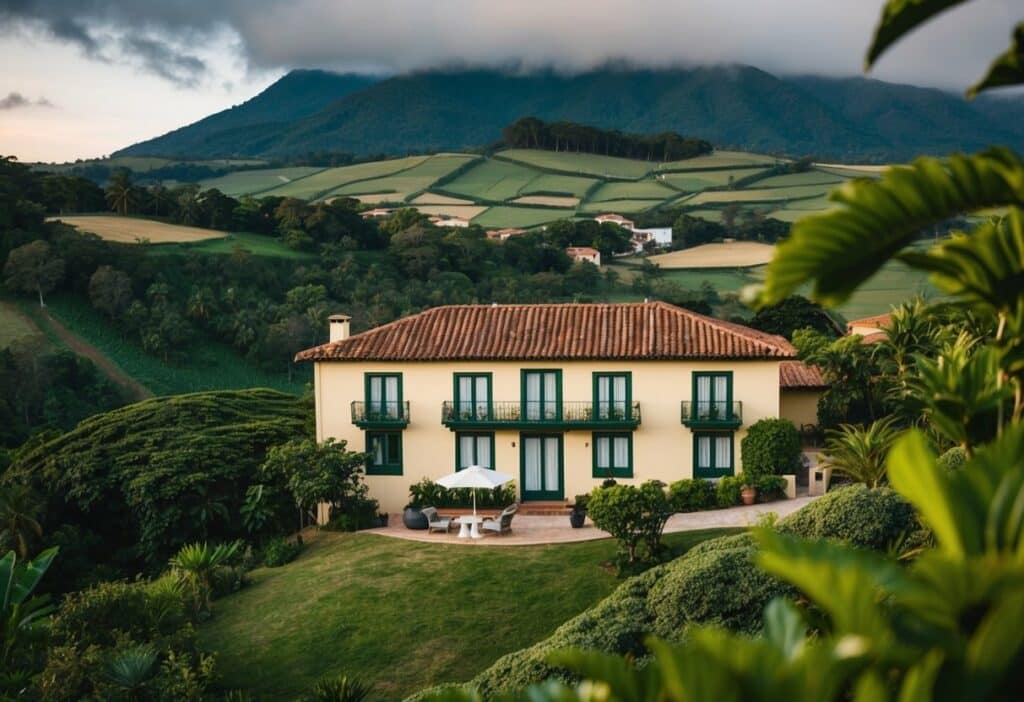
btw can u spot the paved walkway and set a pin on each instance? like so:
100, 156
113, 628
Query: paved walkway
531, 530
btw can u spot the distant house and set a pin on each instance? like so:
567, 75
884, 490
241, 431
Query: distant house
503, 234
800, 388
376, 213
871, 329
661, 236
461, 222
584, 253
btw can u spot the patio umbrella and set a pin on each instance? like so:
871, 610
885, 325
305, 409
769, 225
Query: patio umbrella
474, 477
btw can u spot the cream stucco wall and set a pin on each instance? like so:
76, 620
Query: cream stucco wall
799, 406
662, 446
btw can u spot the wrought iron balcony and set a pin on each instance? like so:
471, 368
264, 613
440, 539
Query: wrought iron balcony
540, 415
712, 415
380, 415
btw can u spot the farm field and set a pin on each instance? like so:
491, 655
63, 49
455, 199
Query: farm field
796, 179
409, 181
368, 601
581, 164
726, 255
618, 206
326, 181
207, 366
464, 211
492, 180
13, 324
437, 199
256, 244
551, 183
549, 200
721, 159
521, 217
131, 230
693, 181
758, 194
642, 190
257, 181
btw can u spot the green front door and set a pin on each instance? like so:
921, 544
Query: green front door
540, 467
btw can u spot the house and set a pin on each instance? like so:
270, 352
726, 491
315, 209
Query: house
562, 396
376, 213
872, 329
800, 388
503, 234
584, 253
450, 222
661, 236
615, 219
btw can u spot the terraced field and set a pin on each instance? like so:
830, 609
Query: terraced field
526, 188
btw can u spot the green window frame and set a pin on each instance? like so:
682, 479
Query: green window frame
613, 395
474, 448
385, 449
544, 408
708, 450
712, 406
613, 454
383, 397
467, 391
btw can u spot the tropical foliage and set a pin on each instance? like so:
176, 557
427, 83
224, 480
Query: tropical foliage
860, 453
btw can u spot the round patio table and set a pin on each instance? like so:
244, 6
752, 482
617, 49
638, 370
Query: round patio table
469, 527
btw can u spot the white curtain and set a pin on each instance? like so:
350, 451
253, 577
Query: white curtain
533, 396
465, 394
550, 396
621, 452
483, 451
603, 452
481, 397
467, 451
376, 393
620, 393
703, 452
603, 396
551, 464
721, 394
703, 395
378, 450
531, 464
723, 451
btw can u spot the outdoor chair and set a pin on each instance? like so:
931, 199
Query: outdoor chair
436, 521
502, 524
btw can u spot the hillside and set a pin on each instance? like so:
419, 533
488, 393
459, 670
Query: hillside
741, 107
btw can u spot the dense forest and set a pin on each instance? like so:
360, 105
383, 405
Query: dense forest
533, 133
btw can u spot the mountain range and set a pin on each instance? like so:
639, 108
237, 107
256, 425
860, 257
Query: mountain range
741, 107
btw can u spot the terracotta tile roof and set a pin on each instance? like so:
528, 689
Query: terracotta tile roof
800, 376
645, 330
583, 250
878, 321
874, 338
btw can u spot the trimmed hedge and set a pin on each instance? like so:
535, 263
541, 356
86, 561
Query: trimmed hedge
874, 518
692, 495
771, 447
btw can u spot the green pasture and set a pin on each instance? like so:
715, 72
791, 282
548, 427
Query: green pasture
411, 180
403, 615
720, 159
520, 217
581, 164
698, 180
256, 244
722, 197
549, 183
849, 172
203, 366
242, 183
619, 206
326, 181
805, 178
492, 180
640, 190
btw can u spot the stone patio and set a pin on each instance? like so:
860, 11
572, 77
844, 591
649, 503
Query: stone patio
533, 530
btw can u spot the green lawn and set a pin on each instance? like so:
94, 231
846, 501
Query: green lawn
205, 366
402, 615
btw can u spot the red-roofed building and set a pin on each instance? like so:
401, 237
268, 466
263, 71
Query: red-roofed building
561, 396
580, 254
503, 234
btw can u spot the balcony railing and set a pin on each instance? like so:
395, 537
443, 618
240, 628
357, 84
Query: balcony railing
380, 415
551, 415
712, 415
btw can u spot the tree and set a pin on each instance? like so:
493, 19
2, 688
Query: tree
34, 268
795, 312
20, 511
860, 453
121, 193
110, 291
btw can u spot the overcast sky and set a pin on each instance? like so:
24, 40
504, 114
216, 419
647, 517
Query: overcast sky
82, 78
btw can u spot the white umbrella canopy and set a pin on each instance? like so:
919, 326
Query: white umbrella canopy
474, 477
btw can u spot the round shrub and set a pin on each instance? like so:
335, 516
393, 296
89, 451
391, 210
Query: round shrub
727, 492
692, 495
874, 518
280, 551
721, 587
771, 447
953, 459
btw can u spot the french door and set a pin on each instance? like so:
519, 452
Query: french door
542, 395
541, 470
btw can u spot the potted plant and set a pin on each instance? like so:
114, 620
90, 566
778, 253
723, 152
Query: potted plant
382, 519
748, 493
578, 515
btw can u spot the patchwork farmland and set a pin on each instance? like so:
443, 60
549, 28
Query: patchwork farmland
529, 188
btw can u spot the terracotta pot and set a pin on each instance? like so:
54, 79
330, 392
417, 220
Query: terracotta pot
749, 494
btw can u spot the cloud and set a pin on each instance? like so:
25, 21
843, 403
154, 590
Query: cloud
783, 36
15, 100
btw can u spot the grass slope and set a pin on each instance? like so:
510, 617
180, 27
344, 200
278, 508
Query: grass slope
13, 324
256, 244
207, 366
250, 182
581, 164
402, 615
130, 230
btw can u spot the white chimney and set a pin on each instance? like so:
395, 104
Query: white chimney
339, 326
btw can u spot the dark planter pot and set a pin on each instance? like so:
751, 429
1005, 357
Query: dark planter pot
412, 518
576, 519
382, 520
